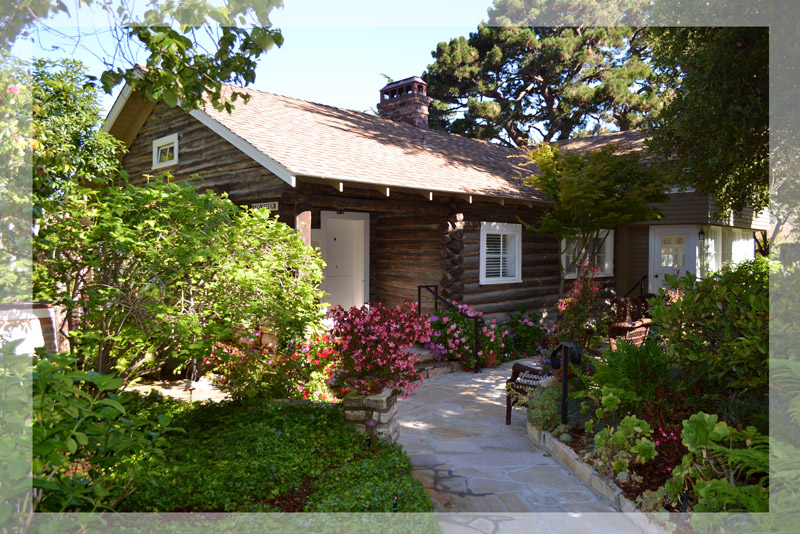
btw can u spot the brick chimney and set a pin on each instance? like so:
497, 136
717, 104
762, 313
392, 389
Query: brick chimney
405, 100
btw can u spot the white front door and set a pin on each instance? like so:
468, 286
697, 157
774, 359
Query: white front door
344, 245
673, 250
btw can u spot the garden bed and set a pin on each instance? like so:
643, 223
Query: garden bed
610, 492
264, 456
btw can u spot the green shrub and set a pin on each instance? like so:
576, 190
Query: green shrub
163, 270
544, 408
718, 329
89, 451
525, 333
616, 448
637, 370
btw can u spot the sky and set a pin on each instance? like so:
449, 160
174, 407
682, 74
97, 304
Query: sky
333, 53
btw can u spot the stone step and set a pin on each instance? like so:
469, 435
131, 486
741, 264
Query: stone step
425, 355
429, 369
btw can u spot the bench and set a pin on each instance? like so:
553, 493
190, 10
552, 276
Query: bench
524, 379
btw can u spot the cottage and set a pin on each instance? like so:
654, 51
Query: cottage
393, 205
687, 238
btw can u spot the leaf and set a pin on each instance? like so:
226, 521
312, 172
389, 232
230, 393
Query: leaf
71, 445
113, 404
111, 384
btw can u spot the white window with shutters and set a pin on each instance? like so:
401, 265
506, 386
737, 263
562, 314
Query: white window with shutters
501, 253
601, 254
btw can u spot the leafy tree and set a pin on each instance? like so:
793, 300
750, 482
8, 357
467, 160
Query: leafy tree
192, 46
165, 271
716, 125
510, 83
592, 192
68, 147
15, 188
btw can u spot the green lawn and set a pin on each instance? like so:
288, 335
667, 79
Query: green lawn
264, 456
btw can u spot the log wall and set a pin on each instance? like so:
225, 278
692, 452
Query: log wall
221, 166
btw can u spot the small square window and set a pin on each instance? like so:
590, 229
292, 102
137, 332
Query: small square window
165, 151
501, 253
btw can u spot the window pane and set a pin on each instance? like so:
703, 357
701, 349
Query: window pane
673, 250
166, 153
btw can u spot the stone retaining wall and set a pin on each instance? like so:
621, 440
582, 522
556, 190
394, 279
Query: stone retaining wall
382, 407
563, 454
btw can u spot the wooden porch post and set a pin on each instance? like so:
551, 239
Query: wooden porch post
302, 221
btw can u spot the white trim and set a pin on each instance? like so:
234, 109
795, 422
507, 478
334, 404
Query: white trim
265, 161
506, 229
116, 109
607, 268
171, 139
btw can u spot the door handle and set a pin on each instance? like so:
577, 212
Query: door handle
656, 276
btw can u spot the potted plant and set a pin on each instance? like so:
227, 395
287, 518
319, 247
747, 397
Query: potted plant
493, 344
373, 343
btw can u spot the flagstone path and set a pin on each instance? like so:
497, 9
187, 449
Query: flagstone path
453, 428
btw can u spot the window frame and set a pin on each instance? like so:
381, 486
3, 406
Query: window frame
506, 229
608, 251
162, 142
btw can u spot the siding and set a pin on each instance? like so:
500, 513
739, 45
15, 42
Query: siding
632, 243
696, 208
220, 165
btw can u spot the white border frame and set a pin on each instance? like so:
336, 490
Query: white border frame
500, 228
609, 242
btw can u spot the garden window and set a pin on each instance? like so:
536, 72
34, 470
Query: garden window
500, 253
165, 151
601, 254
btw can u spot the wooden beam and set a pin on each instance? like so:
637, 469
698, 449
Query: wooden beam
363, 204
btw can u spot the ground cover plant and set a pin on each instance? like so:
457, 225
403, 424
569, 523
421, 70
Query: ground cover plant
255, 455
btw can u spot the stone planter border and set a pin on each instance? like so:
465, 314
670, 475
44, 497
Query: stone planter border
608, 491
381, 406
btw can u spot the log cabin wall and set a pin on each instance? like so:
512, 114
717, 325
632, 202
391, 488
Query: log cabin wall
221, 166
538, 291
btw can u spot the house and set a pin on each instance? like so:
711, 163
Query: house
687, 238
391, 204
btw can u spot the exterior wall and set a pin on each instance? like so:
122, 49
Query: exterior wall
538, 290
405, 253
696, 208
632, 243
220, 165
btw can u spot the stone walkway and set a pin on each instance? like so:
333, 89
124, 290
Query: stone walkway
453, 428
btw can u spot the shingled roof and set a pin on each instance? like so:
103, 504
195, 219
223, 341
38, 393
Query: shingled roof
319, 141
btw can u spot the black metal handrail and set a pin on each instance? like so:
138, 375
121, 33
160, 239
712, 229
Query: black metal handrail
478, 321
639, 284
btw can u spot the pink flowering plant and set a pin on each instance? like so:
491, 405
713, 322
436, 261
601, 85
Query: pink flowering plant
453, 336
373, 342
579, 309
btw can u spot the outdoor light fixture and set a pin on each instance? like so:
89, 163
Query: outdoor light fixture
701, 235
371, 424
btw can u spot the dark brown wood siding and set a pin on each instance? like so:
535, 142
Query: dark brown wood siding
696, 208
221, 166
538, 291
632, 244
405, 253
